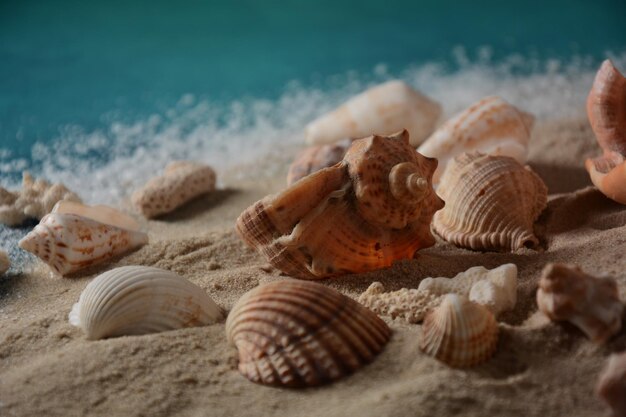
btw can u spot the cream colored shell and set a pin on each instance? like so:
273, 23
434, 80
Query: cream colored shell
134, 300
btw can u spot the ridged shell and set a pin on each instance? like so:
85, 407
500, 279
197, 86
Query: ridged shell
611, 385
348, 218
314, 158
298, 334
381, 110
491, 126
459, 332
74, 236
134, 300
492, 203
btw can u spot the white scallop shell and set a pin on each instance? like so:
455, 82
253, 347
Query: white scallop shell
134, 300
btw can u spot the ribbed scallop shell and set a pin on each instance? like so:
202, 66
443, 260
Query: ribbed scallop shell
298, 334
134, 300
459, 332
314, 158
492, 203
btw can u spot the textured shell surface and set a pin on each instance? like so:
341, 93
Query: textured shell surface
74, 236
590, 303
300, 333
181, 182
411, 305
459, 332
135, 300
381, 110
492, 203
611, 385
362, 214
5, 263
314, 158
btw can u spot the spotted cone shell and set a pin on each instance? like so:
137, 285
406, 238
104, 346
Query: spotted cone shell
362, 214
314, 158
459, 332
299, 333
491, 203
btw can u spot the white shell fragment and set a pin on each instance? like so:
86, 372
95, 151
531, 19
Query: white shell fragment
74, 236
181, 182
134, 300
382, 110
5, 263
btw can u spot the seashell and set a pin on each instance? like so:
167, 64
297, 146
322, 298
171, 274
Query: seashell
181, 182
5, 262
298, 333
74, 236
409, 304
381, 110
611, 385
459, 332
590, 303
348, 218
491, 203
134, 300
314, 158
36, 199
491, 126
608, 173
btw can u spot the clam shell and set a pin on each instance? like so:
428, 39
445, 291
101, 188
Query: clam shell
314, 158
298, 334
459, 332
74, 236
134, 300
491, 126
492, 203
381, 110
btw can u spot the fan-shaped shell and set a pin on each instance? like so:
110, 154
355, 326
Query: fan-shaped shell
134, 300
459, 332
314, 158
299, 333
74, 236
347, 218
491, 203
491, 126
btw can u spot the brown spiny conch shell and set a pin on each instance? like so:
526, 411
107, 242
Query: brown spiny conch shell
606, 109
298, 334
491, 126
362, 214
492, 203
590, 303
611, 385
381, 110
459, 332
314, 158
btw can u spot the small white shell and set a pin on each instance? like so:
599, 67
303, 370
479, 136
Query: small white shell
134, 300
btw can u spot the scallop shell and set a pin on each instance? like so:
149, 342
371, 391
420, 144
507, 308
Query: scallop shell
491, 203
74, 236
134, 300
611, 385
590, 303
314, 158
5, 262
381, 110
182, 182
373, 208
298, 333
459, 332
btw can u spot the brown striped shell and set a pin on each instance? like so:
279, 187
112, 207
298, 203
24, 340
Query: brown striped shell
314, 158
299, 334
492, 203
373, 208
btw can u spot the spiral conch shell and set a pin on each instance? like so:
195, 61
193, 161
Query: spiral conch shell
134, 300
298, 334
74, 236
459, 332
491, 126
611, 385
314, 158
381, 110
606, 109
492, 203
362, 214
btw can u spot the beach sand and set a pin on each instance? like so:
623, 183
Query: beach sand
540, 368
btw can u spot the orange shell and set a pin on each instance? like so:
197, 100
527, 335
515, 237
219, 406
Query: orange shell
314, 158
608, 173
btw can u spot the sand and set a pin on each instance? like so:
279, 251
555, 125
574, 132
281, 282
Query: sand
540, 368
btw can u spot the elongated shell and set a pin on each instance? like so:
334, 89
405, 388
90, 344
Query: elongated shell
490, 126
74, 236
492, 203
134, 300
299, 334
381, 110
459, 332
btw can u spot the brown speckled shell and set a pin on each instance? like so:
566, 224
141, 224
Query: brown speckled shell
314, 158
298, 334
